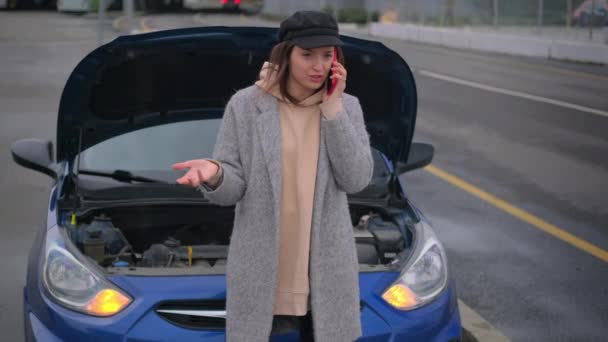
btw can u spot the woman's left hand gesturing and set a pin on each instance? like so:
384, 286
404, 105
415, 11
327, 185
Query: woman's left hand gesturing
338, 72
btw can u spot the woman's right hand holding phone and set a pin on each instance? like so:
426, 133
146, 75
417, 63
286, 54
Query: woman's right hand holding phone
337, 75
200, 171
332, 103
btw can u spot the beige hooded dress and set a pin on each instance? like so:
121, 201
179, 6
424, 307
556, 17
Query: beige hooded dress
300, 134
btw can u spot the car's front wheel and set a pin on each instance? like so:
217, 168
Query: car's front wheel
13, 4
157, 6
584, 20
25, 4
230, 7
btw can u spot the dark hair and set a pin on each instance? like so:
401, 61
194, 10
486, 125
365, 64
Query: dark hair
279, 56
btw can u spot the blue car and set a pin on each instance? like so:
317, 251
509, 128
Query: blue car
127, 254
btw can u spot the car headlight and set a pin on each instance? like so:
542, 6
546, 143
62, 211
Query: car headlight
424, 277
71, 283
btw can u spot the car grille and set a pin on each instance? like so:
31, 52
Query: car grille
195, 314
198, 314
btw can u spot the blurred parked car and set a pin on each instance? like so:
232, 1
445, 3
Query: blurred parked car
246, 6
582, 14
232, 5
83, 6
74, 6
17, 4
162, 5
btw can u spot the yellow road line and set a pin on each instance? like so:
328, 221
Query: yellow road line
143, 24
521, 214
117, 22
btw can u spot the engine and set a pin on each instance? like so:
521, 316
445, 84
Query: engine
146, 238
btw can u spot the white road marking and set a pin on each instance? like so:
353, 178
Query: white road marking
513, 93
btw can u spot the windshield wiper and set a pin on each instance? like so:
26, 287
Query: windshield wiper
121, 176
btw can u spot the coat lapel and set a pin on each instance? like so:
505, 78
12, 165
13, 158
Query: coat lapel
269, 133
317, 211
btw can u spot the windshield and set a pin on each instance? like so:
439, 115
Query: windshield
153, 149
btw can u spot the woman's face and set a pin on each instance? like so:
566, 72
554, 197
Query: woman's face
309, 68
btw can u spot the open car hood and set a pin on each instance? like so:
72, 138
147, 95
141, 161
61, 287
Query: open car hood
186, 74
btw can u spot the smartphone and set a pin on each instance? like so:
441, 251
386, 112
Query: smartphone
331, 85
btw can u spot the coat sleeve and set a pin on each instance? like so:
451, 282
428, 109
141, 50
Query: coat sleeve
231, 186
348, 147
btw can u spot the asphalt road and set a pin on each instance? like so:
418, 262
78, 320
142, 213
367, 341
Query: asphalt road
495, 124
549, 160
38, 51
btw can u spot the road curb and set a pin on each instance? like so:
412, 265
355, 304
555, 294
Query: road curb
477, 329
505, 43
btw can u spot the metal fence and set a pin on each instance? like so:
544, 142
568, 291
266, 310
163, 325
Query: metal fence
583, 20
555, 19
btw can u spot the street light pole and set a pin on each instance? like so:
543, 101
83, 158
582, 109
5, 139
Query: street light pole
540, 15
101, 19
568, 13
591, 18
128, 7
495, 14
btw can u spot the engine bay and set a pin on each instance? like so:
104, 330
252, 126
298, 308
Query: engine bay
182, 237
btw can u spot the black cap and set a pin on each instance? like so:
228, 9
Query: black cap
310, 29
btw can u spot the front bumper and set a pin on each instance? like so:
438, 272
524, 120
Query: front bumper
437, 321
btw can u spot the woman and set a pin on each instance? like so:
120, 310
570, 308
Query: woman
287, 153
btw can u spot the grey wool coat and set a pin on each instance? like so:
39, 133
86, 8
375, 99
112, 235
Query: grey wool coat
249, 148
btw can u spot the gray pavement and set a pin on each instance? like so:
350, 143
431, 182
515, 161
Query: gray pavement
38, 51
546, 159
